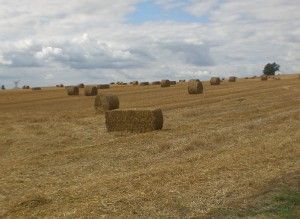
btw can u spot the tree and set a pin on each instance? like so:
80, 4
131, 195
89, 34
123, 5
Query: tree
3, 87
270, 69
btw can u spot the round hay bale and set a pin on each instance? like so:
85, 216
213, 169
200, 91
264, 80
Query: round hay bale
36, 88
57, 85
264, 77
232, 79
25, 87
124, 83
90, 91
172, 82
105, 102
80, 85
72, 90
195, 86
156, 83
181, 80
103, 86
144, 83
215, 81
165, 83
135, 83
61, 85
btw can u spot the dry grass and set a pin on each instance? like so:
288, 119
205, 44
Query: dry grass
217, 150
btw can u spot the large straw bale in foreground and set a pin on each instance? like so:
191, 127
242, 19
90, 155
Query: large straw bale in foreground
134, 120
215, 81
105, 102
232, 79
72, 90
195, 86
165, 83
264, 77
90, 91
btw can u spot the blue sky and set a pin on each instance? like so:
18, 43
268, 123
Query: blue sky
45, 42
149, 11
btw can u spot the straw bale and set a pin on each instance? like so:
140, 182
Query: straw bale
144, 83
181, 80
72, 90
232, 79
80, 85
103, 86
156, 83
57, 85
165, 83
36, 88
135, 83
172, 82
112, 83
25, 87
123, 83
195, 86
215, 81
90, 91
264, 77
61, 85
134, 120
105, 102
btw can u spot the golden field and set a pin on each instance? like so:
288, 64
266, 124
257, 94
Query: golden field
229, 148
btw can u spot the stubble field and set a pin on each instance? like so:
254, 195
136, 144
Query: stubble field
218, 154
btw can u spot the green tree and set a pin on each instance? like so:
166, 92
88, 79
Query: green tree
271, 68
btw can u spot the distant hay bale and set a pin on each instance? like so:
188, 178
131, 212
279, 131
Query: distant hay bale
26, 87
61, 85
172, 82
36, 88
90, 91
195, 86
144, 83
181, 80
105, 102
57, 85
264, 77
135, 83
232, 79
246, 78
80, 85
103, 86
155, 83
165, 83
215, 81
123, 83
112, 83
72, 90
134, 120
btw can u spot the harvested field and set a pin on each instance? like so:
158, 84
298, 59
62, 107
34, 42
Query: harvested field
228, 148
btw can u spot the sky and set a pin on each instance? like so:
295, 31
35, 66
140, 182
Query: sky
49, 42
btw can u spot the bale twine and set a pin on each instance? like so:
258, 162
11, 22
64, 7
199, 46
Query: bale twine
72, 90
80, 85
156, 83
105, 102
215, 81
165, 83
36, 88
134, 120
172, 82
144, 83
264, 77
90, 91
232, 79
103, 86
195, 86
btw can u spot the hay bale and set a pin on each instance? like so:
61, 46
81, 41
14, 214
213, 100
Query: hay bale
61, 85
36, 88
134, 120
105, 102
181, 80
123, 83
195, 86
144, 83
232, 79
72, 90
156, 83
165, 83
135, 83
26, 87
112, 83
80, 85
264, 77
90, 91
103, 86
172, 82
215, 81
57, 85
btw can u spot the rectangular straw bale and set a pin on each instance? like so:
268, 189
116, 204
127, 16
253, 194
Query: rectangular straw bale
134, 120
103, 86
